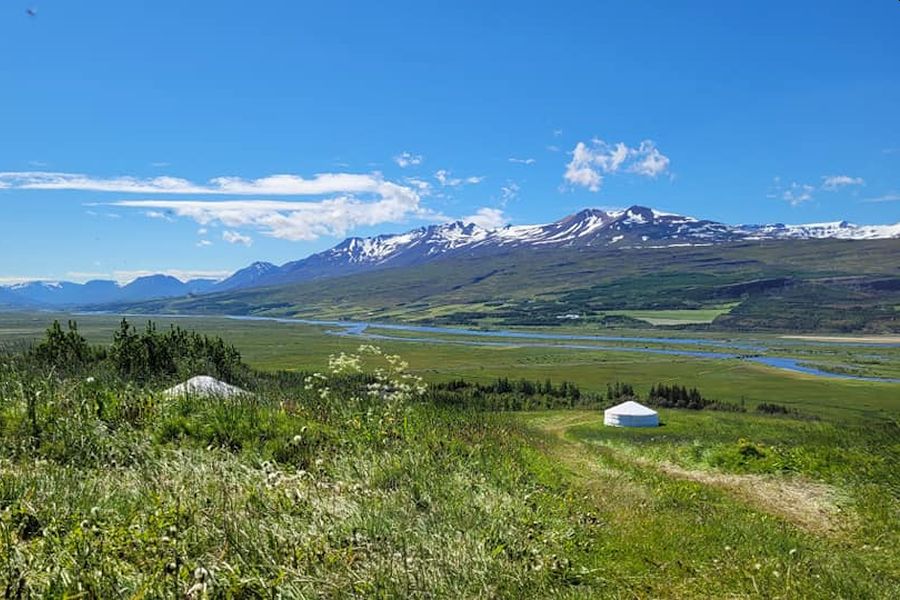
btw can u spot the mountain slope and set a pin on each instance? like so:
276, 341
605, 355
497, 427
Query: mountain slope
795, 285
635, 227
597, 231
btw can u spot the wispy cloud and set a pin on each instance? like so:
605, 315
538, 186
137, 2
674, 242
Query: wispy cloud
155, 214
204, 243
591, 162
797, 193
446, 179
489, 218
106, 215
889, 197
423, 187
233, 237
522, 161
292, 220
272, 185
508, 193
408, 159
350, 200
834, 182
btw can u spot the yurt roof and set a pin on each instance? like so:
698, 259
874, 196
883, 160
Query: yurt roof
203, 385
631, 408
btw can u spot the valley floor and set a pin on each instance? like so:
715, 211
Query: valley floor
117, 491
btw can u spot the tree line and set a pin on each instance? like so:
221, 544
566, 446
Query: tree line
140, 356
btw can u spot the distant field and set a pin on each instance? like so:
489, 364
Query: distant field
674, 317
271, 345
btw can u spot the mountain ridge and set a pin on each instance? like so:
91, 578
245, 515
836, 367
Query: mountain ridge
635, 227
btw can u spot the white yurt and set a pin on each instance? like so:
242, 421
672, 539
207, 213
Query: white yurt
630, 414
204, 386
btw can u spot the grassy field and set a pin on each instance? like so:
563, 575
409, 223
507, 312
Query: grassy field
291, 346
675, 317
109, 489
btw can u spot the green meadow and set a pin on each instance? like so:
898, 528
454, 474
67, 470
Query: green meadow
361, 482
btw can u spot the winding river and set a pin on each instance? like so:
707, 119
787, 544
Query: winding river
706, 348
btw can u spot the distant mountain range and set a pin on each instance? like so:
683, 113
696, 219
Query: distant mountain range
52, 294
635, 227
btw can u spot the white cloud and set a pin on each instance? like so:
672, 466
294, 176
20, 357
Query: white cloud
522, 161
346, 200
408, 159
489, 218
293, 220
233, 237
446, 179
204, 243
580, 170
651, 162
272, 185
834, 182
798, 193
202, 231
591, 162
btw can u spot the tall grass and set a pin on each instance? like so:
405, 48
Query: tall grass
350, 484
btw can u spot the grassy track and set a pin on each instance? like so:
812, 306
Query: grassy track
704, 530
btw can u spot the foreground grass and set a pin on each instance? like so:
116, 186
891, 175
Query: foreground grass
331, 488
296, 493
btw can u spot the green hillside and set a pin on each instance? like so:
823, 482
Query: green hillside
818, 285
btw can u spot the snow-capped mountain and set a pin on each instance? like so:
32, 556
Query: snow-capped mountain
635, 227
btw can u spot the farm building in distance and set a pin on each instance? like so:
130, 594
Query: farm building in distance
630, 414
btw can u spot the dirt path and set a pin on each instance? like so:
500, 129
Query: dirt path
807, 504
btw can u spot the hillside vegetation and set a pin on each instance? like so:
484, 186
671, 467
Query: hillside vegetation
363, 481
808, 285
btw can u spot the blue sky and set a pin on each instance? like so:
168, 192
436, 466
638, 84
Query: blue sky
196, 137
